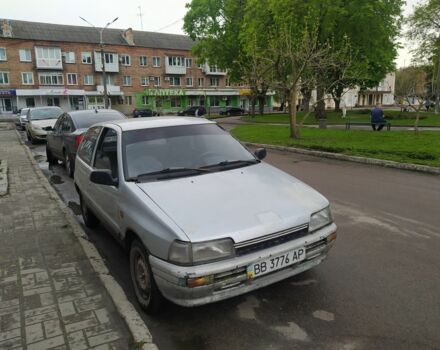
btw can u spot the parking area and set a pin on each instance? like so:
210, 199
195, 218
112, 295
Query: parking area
377, 290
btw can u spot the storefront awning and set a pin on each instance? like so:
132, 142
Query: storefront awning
50, 92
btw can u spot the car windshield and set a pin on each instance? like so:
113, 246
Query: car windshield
45, 113
155, 153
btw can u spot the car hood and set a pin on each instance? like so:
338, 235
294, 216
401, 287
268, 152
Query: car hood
44, 122
243, 203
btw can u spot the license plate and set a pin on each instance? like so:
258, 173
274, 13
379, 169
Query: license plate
274, 263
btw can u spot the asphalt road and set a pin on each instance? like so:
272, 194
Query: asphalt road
379, 288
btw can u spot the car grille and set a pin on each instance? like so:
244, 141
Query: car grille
271, 240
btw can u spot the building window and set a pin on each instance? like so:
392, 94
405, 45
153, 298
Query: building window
27, 78
4, 78
156, 81
126, 80
88, 79
175, 101
30, 102
72, 79
156, 61
86, 57
69, 57
176, 61
108, 80
144, 100
188, 62
143, 61
108, 58
125, 60
145, 81
51, 79
174, 81
214, 81
201, 82
189, 81
48, 57
2, 54
128, 100
200, 65
25, 55
227, 82
215, 101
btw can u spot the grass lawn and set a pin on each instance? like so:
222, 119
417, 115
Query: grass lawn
400, 146
395, 117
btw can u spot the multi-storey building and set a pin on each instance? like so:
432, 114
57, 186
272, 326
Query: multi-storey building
49, 64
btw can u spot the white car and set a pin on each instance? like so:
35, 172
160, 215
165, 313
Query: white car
40, 120
203, 218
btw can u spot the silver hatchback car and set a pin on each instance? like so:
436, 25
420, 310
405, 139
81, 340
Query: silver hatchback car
203, 219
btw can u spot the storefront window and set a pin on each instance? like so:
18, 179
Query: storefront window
175, 101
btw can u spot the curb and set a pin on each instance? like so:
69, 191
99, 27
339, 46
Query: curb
142, 337
364, 160
3, 177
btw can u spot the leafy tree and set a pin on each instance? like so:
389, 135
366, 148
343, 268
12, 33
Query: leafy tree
424, 26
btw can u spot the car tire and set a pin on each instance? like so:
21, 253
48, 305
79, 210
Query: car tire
90, 220
30, 138
50, 158
68, 164
144, 285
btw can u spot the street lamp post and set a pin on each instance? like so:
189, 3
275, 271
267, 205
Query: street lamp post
101, 44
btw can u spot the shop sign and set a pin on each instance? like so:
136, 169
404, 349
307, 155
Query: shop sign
164, 92
245, 92
4, 92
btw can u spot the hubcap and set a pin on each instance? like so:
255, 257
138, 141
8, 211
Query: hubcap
141, 271
66, 161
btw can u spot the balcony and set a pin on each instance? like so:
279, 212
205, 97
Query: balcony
175, 65
48, 58
212, 70
111, 89
111, 62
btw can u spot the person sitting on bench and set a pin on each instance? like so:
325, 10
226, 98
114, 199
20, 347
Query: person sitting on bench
377, 118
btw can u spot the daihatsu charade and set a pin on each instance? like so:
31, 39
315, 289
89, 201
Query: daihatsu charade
202, 217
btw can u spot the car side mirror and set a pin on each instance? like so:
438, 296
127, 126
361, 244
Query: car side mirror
260, 153
48, 128
103, 177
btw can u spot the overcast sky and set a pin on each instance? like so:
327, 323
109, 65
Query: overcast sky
157, 15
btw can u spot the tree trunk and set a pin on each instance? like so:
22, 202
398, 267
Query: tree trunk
437, 90
337, 103
253, 101
416, 123
293, 96
307, 95
337, 96
320, 106
261, 102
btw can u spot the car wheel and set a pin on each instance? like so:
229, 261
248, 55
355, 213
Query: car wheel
30, 138
50, 158
68, 164
90, 220
145, 288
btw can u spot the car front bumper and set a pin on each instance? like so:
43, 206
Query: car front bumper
38, 134
230, 276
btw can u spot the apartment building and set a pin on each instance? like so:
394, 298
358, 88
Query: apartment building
44, 64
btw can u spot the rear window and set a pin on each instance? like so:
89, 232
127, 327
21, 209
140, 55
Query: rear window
86, 120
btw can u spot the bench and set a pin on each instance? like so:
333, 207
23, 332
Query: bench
349, 123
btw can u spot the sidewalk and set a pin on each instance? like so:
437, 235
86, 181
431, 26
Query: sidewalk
50, 295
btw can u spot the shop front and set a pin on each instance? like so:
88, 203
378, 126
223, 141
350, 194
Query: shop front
67, 99
8, 101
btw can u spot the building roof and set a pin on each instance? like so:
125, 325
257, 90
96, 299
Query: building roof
60, 32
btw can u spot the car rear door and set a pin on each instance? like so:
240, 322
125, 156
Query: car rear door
54, 138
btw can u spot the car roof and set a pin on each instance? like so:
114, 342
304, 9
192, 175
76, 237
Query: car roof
45, 107
87, 112
155, 122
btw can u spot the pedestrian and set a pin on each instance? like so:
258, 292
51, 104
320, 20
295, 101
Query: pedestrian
377, 118
344, 108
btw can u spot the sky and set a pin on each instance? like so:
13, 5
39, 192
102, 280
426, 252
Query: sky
157, 15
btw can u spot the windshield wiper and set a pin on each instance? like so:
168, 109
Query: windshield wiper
226, 163
171, 172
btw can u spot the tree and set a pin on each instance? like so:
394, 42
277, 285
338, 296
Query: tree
216, 27
412, 87
424, 26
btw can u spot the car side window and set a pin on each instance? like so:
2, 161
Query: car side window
66, 126
57, 126
106, 153
88, 144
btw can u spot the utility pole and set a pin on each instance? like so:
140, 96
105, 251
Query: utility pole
101, 44
140, 17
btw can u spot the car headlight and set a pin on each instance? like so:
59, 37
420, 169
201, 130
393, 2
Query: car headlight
186, 253
320, 219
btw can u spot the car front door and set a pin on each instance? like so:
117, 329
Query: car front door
107, 197
54, 137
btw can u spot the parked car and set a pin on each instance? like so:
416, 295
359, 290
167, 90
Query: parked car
143, 112
191, 111
232, 111
63, 140
21, 118
40, 120
203, 218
